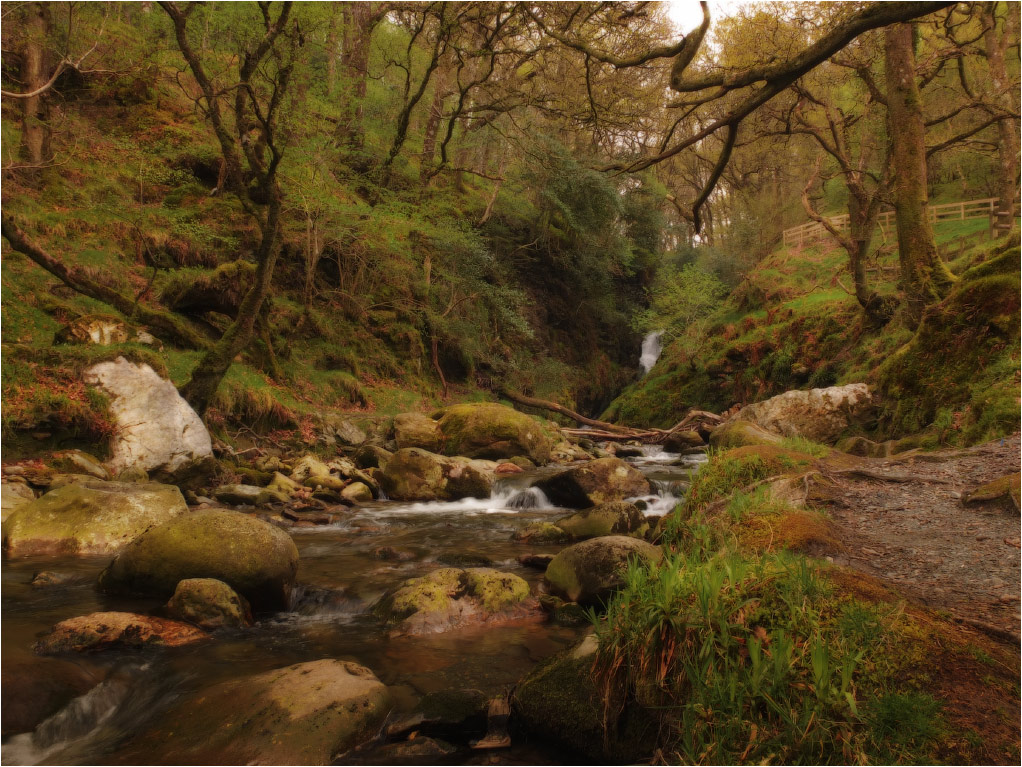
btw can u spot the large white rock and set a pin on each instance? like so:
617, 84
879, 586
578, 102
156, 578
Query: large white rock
818, 414
156, 428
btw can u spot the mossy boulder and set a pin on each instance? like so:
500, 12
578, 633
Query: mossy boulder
681, 441
309, 466
301, 714
255, 558
116, 630
590, 571
372, 457
741, 433
413, 474
1006, 487
599, 481
238, 495
90, 517
452, 597
417, 430
817, 414
209, 604
614, 518
560, 700
490, 430
540, 532
12, 496
357, 492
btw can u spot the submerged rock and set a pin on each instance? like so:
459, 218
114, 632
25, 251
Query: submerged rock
301, 714
615, 518
413, 474
599, 481
116, 630
209, 604
818, 414
450, 598
490, 430
590, 571
680, 441
540, 532
253, 557
156, 429
36, 688
90, 517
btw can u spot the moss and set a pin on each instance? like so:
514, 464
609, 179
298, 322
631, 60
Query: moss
1007, 486
491, 430
430, 593
497, 591
540, 532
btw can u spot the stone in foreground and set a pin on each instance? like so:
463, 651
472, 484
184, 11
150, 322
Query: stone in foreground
253, 557
614, 518
116, 630
90, 517
818, 414
307, 713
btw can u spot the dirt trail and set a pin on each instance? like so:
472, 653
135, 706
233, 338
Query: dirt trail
913, 531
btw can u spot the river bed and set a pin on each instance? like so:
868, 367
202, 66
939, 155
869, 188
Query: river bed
344, 569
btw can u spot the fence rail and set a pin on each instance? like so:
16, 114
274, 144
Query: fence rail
813, 232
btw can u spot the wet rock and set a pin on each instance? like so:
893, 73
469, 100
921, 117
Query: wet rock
590, 571
238, 495
133, 474
156, 428
116, 630
450, 598
540, 532
37, 688
565, 452
309, 466
283, 485
80, 462
535, 561
419, 750
599, 481
392, 554
12, 496
310, 517
489, 430
413, 474
564, 613
253, 557
680, 441
417, 430
741, 434
464, 559
628, 451
818, 414
615, 518
302, 714
47, 579
91, 517
521, 462
454, 714
509, 468
561, 701
372, 457
357, 492
209, 604
268, 497
336, 429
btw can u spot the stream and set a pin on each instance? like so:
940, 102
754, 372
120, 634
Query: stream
342, 573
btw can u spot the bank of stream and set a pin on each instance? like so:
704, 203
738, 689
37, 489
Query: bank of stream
345, 568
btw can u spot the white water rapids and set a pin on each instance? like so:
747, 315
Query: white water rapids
651, 348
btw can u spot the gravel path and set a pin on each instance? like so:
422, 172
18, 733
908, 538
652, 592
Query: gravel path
914, 532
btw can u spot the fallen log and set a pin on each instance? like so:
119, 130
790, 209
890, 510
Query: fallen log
543, 404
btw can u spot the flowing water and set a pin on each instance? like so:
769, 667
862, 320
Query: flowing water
345, 568
651, 348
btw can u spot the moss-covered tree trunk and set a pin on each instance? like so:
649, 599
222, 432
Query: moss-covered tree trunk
996, 43
924, 277
213, 366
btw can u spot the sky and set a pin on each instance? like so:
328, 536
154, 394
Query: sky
687, 15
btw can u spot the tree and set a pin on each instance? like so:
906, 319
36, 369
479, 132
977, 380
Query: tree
251, 143
925, 279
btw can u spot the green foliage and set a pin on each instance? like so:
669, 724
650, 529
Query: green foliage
678, 298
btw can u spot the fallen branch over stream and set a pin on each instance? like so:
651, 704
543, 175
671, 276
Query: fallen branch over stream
602, 430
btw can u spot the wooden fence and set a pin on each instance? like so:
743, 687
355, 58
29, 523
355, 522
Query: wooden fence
813, 232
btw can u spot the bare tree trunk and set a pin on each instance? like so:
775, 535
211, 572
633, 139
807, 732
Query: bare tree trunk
35, 132
331, 53
359, 20
924, 276
1008, 140
436, 113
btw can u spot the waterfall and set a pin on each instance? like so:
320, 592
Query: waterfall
651, 348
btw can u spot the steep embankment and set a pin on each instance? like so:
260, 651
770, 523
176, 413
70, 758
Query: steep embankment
791, 324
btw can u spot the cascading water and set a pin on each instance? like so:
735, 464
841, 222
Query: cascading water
651, 348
